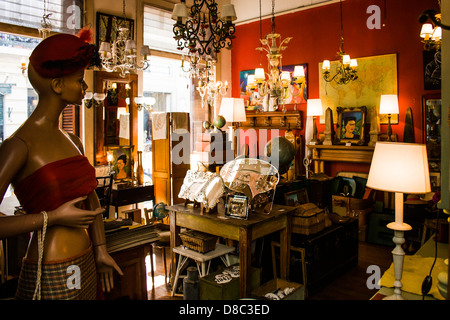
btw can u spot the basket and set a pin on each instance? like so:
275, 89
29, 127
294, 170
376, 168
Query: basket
198, 241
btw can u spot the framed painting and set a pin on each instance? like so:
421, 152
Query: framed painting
121, 162
106, 24
237, 207
350, 126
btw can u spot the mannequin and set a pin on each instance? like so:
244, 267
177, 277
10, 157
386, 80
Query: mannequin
53, 180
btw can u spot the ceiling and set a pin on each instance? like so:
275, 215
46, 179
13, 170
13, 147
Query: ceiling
248, 10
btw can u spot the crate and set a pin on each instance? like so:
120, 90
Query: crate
198, 241
274, 284
211, 290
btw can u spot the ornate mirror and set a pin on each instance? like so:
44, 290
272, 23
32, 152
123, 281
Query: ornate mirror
115, 119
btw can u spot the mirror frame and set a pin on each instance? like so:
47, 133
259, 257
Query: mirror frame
100, 80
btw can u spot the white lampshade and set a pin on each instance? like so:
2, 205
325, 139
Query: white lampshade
233, 109
389, 104
180, 11
104, 47
228, 12
298, 72
285, 76
314, 108
251, 79
139, 99
145, 50
346, 59
427, 30
437, 34
88, 95
399, 167
259, 74
99, 96
326, 65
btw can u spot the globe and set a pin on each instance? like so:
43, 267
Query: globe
159, 211
206, 125
280, 152
219, 121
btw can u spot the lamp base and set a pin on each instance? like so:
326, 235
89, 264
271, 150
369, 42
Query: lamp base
394, 297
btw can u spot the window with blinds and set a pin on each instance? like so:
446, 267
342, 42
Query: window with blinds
158, 30
65, 15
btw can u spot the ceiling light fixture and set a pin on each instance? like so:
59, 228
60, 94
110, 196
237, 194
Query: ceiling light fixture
431, 33
346, 70
120, 55
277, 85
201, 31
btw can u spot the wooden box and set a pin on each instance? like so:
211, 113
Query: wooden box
274, 284
211, 290
308, 219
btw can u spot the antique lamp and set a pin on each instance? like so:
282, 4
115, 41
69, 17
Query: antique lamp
389, 106
314, 109
233, 110
399, 168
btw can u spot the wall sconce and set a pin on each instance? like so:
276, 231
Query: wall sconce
389, 106
93, 99
144, 103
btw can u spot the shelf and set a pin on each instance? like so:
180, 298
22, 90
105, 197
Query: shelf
339, 153
273, 120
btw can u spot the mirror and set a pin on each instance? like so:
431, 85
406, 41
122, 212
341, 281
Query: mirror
115, 120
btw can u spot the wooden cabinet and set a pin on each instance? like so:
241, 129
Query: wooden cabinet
133, 284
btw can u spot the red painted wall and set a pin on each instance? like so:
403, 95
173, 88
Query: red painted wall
316, 36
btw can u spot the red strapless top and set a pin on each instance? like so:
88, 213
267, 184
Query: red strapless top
56, 183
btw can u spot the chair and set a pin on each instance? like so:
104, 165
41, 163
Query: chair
104, 186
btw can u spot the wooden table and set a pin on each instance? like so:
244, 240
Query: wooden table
245, 231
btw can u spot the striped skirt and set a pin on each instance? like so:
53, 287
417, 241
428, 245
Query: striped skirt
70, 279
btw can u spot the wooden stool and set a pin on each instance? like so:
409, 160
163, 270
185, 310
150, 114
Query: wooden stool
221, 251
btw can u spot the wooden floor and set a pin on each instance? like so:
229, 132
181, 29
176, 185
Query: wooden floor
351, 285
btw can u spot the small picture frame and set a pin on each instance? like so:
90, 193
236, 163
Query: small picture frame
350, 126
435, 181
121, 162
296, 198
237, 207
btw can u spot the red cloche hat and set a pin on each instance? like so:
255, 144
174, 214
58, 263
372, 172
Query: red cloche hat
62, 54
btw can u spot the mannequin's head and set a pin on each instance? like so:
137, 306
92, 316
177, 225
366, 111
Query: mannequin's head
59, 62
63, 54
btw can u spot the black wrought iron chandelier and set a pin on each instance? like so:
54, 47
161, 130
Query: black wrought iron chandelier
346, 70
201, 31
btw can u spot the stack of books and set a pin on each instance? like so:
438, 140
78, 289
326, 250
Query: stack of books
128, 236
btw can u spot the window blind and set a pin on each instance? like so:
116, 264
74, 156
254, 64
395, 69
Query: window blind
65, 15
158, 30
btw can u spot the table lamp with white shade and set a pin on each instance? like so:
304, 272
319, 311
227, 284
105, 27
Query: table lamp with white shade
399, 168
389, 106
233, 110
314, 109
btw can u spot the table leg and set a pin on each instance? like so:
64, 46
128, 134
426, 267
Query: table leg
245, 256
285, 248
174, 242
